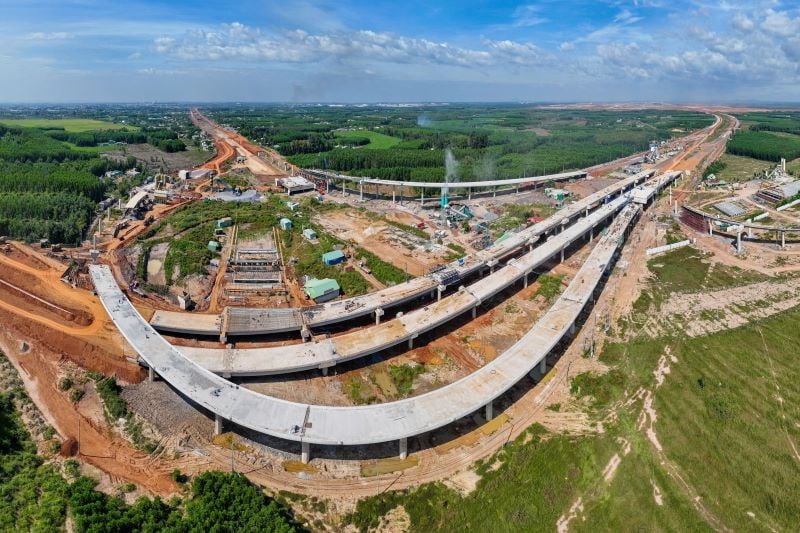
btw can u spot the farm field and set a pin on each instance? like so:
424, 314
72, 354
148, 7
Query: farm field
70, 125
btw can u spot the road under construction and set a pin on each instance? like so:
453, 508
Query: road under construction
256, 321
330, 425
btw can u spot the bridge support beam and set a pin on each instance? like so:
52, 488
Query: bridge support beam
403, 448
305, 452
378, 314
439, 290
474, 312
489, 411
543, 366
783, 240
151, 374
324, 370
562, 255
217, 424
525, 280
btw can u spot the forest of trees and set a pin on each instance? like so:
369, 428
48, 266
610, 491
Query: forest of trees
764, 145
48, 190
165, 140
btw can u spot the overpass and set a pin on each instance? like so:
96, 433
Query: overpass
257, 321
329, 178
368, 424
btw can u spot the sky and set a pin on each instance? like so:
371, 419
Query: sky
703, 51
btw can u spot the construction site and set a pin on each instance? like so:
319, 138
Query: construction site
346, 334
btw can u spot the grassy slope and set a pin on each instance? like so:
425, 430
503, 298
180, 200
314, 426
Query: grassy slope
727, 439
73, 125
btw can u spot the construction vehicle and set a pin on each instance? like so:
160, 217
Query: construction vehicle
149, 220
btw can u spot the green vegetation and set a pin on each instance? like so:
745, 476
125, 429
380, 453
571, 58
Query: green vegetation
386, 273
497, 141
71, 125
713, 168
115, 406
735, 168
549, 287
764, 145
373, 139
403, 376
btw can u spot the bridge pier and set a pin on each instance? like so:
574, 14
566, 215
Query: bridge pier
475, 312
217, 424
378, 314
525, 282
783, 240
324, 370
562, 255
361, 191
494, 192
543, 366
739, 241
489, 411
305, 452
422, 197
403, 448
439, 290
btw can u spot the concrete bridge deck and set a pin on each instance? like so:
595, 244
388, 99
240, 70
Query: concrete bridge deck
317, 424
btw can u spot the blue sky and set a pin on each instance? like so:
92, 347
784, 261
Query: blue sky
382, 51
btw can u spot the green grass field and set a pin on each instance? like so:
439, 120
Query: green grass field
71, 125
377, 140
739, 168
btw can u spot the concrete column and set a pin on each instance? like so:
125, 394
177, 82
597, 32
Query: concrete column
378, 315
327, 186
439, 290
411, 343
710, 227
151, 374
562, 255
305, 452
403, 448
675, 210
422, 198
586, 214
591, 234
572, 329
361, 190
474, 312
469, 193
393, 195
739, 241
325, 371
525, 282
750, 232
489, 411
217, 424
543, 366
783, 240
517, 188
494, 192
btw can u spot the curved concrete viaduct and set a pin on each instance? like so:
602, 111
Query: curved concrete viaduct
316, 424
255, 321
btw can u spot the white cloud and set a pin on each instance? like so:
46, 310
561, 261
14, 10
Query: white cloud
243, 43
780, 23
742, 22
527, 15
50, 36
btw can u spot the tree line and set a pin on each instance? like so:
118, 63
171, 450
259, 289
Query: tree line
765, 146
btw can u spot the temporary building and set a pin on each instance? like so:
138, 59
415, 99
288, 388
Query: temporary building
213, 246
322, 290
286, 224
333, 258
310, 234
